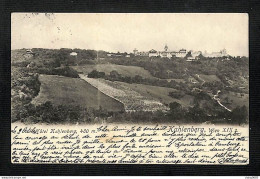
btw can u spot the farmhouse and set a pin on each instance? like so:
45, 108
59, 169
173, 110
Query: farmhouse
73, 54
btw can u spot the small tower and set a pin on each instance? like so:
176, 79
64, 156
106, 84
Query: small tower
135, 51
166, 48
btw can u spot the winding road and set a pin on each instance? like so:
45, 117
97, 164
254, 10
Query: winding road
215, 97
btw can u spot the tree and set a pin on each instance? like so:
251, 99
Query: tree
176, 94
96, 74
138, 79
197, 114
114, 74
201, 56
239, 115
176, 111
188, 54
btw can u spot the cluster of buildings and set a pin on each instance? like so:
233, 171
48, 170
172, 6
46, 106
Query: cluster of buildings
182, 53
166, 53
108, 54
190, 55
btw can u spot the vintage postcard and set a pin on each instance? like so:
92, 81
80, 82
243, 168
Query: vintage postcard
130, 88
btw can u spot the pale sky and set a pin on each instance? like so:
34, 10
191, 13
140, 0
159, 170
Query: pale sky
124, 32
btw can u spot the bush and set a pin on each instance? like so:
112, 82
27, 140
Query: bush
176, 94
49, 113
202, 96
66, 71
115, 75
239, 115
176, 111
96, 74
62, 71
196, 115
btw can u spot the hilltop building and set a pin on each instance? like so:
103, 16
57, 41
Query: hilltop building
153, 53
193, 55
29, 53
143, 54
221, 53
167, 54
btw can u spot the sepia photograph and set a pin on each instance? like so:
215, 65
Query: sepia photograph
130, 68
130, 88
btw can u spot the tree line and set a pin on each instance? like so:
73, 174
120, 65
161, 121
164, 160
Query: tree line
49, 113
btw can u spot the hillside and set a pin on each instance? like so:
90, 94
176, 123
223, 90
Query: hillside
208, 78
132, 99
63, 90
159, 93
139, 96
209, 88
232, 99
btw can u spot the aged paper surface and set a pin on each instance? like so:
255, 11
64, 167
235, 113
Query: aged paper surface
130, 144
130, 88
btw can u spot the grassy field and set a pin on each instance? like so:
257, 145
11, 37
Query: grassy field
130, 71
132, 100
138, 96
159, 93
73, 91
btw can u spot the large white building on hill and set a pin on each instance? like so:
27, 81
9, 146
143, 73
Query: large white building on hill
193, 55
168, 54
221, 53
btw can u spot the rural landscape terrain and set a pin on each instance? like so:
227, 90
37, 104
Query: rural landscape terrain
88, 86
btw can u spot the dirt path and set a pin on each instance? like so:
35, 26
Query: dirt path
215, 97
203, 81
